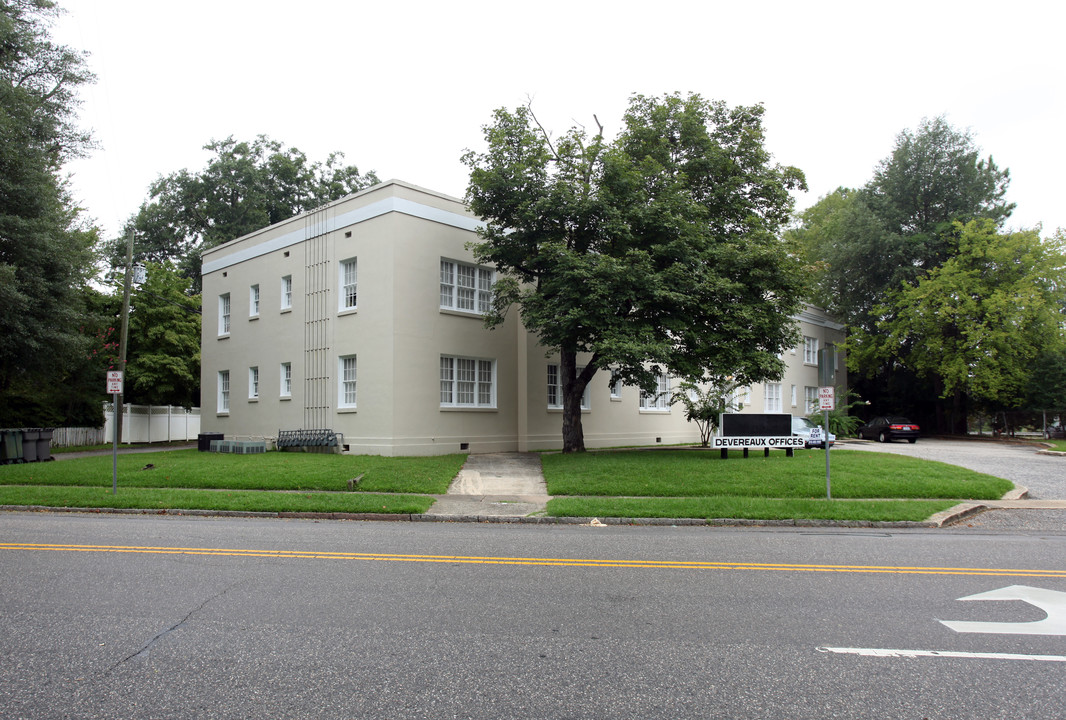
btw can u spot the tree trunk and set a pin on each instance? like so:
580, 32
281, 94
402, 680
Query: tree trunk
573, 389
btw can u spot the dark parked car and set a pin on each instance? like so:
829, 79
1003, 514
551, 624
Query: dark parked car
887, 428
1055, 432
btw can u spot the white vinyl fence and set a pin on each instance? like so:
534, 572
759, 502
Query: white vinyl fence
77, 436
152, 423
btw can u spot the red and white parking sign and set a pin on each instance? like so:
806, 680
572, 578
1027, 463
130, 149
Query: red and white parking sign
826, 398
114, 382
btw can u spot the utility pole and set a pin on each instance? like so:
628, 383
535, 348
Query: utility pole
122, 360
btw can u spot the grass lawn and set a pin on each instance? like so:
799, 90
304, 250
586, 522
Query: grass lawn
747, 508
670, 483
191, 469
163, 499
703, 474
1057, 445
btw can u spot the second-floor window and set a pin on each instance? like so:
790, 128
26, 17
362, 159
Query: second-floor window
286, 292
223, 314
253, 301
349, 278
465, 287
810, 350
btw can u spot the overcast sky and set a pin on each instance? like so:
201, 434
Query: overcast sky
402, 88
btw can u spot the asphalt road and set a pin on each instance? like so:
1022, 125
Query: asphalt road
163, 617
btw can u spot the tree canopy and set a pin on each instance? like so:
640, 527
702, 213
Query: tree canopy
46, 248
244, 187
978, 322
940, 304
164, 340
657, 252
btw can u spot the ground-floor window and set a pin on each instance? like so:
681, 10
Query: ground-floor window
223, 390
810, 395
347, 385
555, 388
661, 399
773, 398
467, 382
286, 379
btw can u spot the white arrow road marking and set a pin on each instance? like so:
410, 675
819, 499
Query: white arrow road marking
1052, 602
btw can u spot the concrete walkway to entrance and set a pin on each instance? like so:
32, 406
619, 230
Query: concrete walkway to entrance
495, 485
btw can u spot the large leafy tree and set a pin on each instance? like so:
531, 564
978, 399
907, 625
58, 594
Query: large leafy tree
977, 323
164, 340
869, 242
46, 256
244, 187
656, 252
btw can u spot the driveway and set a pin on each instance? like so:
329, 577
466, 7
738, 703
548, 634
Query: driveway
1043, 475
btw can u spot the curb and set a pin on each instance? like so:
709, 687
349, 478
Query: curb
939, 520
510, 519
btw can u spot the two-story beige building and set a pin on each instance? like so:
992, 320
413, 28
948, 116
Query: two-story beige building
365, 317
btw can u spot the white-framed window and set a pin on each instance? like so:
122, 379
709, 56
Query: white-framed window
741, 397
223, 314
347, 386
253, 383
555, 388
348, 281
467, 382
661, 399
286, 379
223, 391
253, 301
286, 292
810, 350
794, 398
616, 390
465, 287
772, 398
810, 399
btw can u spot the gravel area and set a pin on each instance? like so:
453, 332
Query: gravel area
1040, 522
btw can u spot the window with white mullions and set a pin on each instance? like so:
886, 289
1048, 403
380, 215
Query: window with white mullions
810, 350
555, 388
467, 382
347, 372
253, 301
223, 391
286, 292
286, 379
772, 398
223, 314
349, 284
661, 399
465, 287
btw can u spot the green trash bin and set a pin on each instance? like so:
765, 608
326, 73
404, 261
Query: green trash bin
29, 444
10, 446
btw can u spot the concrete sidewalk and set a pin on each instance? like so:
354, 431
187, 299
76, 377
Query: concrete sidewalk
495, 485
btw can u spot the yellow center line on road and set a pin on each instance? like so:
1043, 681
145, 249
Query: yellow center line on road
554, 562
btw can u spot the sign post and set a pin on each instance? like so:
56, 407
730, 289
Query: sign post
827, 402
114, 388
